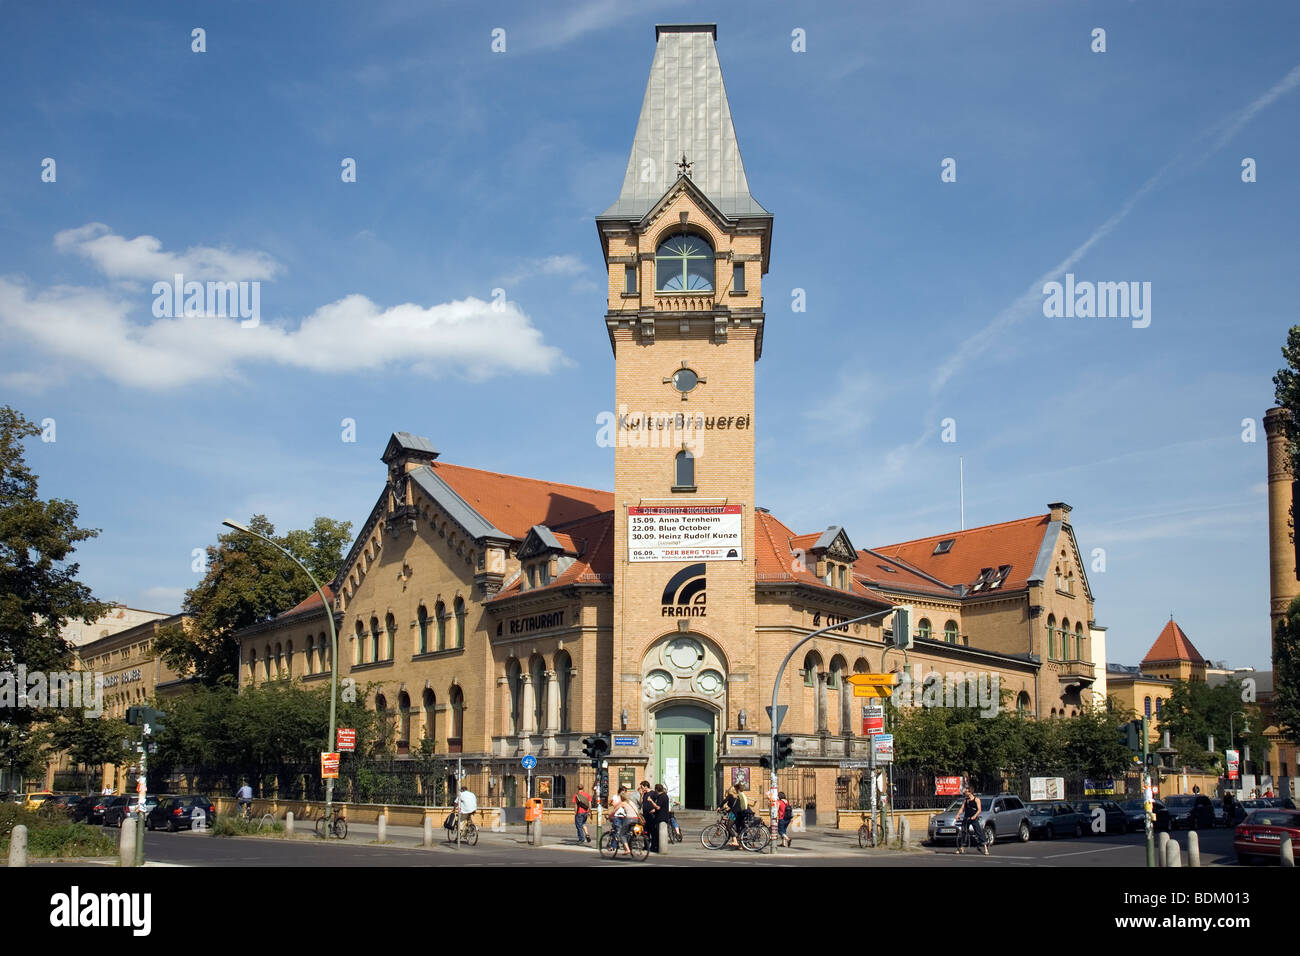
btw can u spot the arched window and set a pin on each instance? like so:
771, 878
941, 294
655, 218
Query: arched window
422, 616
309, 653
684, 472
440, 612
838, 664
923, 629
1159, 702
537, 671
844, 578
430, 705
810, 664
563, 677
288, 659
359, 644
514, 686
390, 629
1051, 637
1146, 705
1078, 642
324, 656
374, 639
404, 723
460, 622
684, 263
279, 660
383, 722
266, 661
1022, 703
950, 632
252, 666
457, 720
860, 666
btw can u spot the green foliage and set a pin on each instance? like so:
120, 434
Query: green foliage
1286, 670
249, 582
229, 826
1196, 710
92, 741
49, 834
947, 740
1286, 391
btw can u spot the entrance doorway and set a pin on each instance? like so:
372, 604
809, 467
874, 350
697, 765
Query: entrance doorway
685, 755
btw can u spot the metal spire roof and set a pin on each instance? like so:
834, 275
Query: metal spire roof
685, 111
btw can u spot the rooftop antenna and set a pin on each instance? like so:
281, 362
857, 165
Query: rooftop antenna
961, 465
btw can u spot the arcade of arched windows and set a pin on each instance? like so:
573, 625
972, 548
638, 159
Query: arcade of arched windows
536, 695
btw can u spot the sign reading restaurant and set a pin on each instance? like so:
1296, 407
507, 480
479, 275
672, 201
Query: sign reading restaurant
537, 622
684, 533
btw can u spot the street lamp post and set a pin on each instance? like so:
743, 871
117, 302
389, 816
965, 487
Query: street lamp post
334, 653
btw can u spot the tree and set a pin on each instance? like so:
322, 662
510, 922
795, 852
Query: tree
39, 590
92, 741
1286, 672
248, 582
1195, 711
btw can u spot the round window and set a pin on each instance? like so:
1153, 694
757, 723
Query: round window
658, 683
684, 654
685, 379
709, 683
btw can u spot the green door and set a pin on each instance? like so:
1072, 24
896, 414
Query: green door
671, 763
684, 743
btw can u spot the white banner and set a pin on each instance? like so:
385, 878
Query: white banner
685, 533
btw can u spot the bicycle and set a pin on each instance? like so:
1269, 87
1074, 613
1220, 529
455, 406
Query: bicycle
331, 824
964, 835
717, 835
867, 832
756, 835
638, 843
468, 833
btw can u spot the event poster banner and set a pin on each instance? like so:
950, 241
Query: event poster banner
685, 533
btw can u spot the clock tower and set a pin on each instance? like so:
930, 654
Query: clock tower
686, 247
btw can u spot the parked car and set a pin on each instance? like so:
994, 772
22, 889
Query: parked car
33, 801
1136, 815
1260, 836
177, 813
1002, 813
64, 801
1056, 818
89, 809
119, 807
1113, 815
1220, 813
1190, 811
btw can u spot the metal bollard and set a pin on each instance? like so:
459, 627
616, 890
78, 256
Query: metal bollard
537, 831
664, 840
383, 826
288, 823
1286, 853
904, 833
1161, 842
126, 845
889, 831
1173, 853
428, 829
1193, 848
18, 846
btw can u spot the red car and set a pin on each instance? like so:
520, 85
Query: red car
1259, 836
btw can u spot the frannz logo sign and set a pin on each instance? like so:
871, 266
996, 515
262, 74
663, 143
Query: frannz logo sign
684, 593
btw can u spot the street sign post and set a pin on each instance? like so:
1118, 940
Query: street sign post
529, 763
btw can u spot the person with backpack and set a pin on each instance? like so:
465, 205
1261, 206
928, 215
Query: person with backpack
581, 808
784, 814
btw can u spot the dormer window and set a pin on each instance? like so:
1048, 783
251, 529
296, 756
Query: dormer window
532, 576
684, 263
944, 546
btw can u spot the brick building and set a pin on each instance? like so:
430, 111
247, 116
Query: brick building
502, 615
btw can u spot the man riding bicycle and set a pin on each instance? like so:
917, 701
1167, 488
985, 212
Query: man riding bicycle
466, 806
245, 798
969, 816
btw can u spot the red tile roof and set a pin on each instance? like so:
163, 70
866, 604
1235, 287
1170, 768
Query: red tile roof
308, 603
515, 504
886, 573
1011, 542
774, 548
592, 539
1173, 645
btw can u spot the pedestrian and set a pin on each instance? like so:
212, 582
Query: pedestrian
664, 801
784, 814
742, 813
1196, 789
1268, 794
581, 807
728, 808
650, 814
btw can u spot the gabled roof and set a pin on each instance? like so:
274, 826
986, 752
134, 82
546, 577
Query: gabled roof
889, 574
1173, 645
776, 560
492, 505
416, 445
685, 111
592, 540
309, 603
1016, 543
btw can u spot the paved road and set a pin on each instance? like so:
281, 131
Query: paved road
508, 848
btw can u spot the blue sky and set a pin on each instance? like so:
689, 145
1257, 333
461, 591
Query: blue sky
479, 170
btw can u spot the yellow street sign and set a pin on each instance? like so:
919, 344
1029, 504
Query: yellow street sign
872, 685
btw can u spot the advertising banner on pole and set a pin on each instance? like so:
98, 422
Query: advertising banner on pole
329, 765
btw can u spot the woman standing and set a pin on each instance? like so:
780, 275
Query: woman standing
784, 814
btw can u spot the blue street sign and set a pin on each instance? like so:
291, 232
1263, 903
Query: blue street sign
529, 761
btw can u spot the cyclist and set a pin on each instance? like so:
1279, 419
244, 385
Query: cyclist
968, 816
245, 797
466, 806
623, 813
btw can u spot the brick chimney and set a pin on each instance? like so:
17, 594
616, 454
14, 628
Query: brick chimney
1060, 511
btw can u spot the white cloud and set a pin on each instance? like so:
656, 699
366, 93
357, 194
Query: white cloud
564, 265
143, 257
103, 330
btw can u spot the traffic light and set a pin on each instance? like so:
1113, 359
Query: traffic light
596, 747
902, 626
139, 716
784, 751
1130, 734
